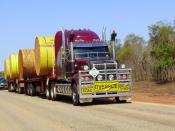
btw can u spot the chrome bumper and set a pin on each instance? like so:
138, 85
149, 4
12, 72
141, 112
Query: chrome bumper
105, 72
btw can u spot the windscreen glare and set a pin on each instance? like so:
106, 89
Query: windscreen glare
91, 52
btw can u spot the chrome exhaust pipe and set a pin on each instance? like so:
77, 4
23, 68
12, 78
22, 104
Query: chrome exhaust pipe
63, 48
63, 40
104, 34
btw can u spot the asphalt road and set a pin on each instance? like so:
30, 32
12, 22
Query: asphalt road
25, 113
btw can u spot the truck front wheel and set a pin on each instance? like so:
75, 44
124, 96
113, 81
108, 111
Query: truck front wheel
48, 96
53, 92
117, 99
75, 96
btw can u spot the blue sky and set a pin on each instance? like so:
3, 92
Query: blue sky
22, 20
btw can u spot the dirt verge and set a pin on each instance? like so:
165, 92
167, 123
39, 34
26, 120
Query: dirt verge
148, 91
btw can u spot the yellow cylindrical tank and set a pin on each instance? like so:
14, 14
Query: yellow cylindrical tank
44, 55
7, 69
26, 63
14, 72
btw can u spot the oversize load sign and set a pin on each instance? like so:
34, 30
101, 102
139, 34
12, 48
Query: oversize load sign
102, 87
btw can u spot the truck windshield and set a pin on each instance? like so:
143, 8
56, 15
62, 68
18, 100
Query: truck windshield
91, 52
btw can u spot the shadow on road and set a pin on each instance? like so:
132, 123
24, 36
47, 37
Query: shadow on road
68, 100
99, 101
3, 88
103, 101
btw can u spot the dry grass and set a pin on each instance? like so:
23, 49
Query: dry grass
149, 91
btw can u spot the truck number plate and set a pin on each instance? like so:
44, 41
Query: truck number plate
102, 87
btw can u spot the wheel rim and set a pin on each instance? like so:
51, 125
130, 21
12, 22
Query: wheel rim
52, 93
47, 93
31, 93
74, 96
28, 91
11, 87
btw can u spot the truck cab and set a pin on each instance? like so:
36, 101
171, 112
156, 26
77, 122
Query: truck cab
87, 69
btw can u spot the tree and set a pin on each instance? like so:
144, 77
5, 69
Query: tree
162, 42
1, 74
132, 54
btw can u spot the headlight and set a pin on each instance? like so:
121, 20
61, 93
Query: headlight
124, 76
82, 78
129, 76
85, 67
123, 66
111, 77
86, 78
119, 77
99, 77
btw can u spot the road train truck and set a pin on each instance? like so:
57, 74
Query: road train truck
80, 65
85, 69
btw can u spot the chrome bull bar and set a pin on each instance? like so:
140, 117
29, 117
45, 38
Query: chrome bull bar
105, 69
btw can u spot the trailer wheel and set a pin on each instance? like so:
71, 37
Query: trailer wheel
28, 89
19, 90
9, 87
32, 90
48, 94
75, 96
53, 92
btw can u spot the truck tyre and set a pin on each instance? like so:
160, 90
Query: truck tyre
32, 90
75, 96
28, 89
19, 90
53, 92
117, 99
48, 92
9, 87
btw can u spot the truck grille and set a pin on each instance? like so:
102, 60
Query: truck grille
91, 86
107, 69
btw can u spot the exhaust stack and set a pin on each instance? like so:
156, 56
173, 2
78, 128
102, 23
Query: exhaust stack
113, 36
104, 34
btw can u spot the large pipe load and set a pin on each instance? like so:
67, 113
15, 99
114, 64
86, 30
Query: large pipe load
44, 55
26, 63
7, 69
14, 72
